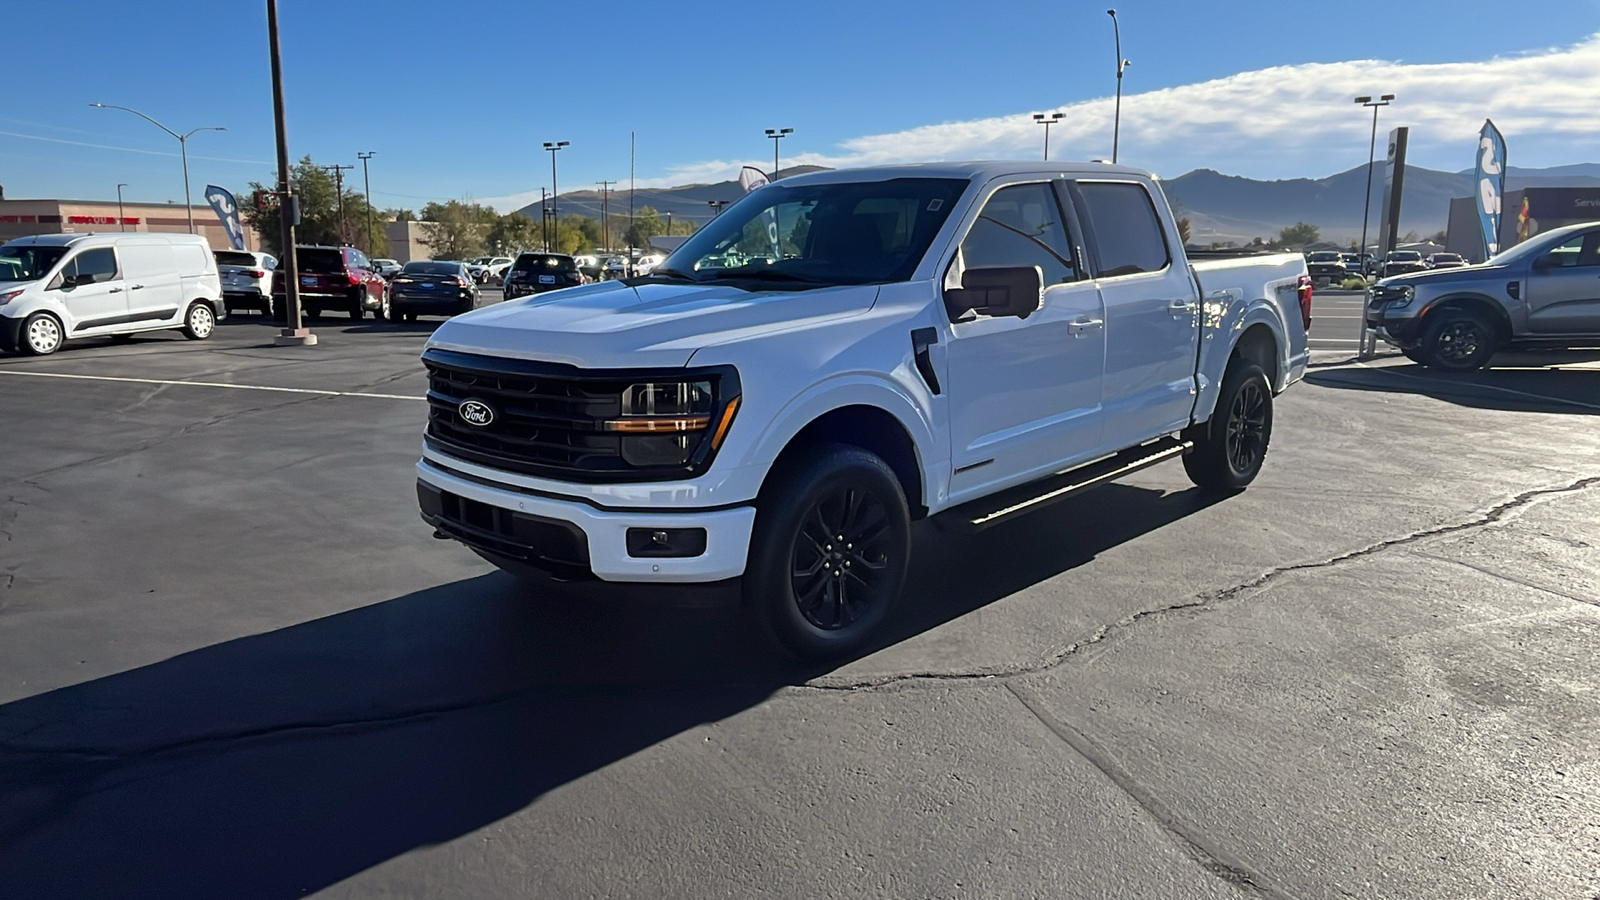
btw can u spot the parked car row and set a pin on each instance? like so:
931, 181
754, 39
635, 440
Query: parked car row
1333, 267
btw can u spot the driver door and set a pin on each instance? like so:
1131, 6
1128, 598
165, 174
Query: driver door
1024, 392
92, 289
1565, 298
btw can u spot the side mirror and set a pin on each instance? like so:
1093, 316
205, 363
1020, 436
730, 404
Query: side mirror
998, 291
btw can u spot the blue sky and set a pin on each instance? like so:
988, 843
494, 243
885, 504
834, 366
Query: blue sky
458, 106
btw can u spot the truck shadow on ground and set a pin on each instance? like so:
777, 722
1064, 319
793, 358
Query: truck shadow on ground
1518, 384
278, 764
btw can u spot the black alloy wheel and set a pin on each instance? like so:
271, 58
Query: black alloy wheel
1459, 341
830, 551
1247, 428
1230, 449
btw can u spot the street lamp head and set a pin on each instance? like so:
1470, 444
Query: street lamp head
1367, 99
1386, 97
1112, 13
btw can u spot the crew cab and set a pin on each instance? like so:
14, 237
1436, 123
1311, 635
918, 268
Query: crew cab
1399, 262
838, 354
1544, 292
1326, 266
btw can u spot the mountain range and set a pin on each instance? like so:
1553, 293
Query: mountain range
1220, 207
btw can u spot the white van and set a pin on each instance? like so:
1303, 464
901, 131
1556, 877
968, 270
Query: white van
55, 287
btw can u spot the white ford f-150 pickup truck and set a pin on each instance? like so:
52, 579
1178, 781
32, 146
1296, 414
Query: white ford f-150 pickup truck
838, 354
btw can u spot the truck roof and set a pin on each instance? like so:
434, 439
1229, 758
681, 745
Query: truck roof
978, 170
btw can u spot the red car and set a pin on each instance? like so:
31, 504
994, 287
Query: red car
340, 278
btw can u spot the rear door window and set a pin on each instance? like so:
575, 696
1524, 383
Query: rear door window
1126, 231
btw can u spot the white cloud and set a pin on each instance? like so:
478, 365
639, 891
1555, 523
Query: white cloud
1281, 122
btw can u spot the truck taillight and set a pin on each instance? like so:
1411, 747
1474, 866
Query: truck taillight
258, 273
1306, 286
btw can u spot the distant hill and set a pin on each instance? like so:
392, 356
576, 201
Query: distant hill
1220, 207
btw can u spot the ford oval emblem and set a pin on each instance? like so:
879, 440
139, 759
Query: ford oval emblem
475, 412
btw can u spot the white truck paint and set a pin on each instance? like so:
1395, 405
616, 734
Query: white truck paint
840, 310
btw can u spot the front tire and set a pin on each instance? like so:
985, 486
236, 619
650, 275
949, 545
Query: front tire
1459, 340
1230, 449
42, 334
829, 554
199, 322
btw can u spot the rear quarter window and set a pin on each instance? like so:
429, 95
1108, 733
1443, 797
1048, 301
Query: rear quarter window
1128, 239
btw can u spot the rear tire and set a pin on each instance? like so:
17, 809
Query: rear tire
199, 322
1230, 448
357, 298
829, 554
1459, 340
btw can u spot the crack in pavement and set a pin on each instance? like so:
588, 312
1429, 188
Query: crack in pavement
1215, 860
1204, 600
1485, 570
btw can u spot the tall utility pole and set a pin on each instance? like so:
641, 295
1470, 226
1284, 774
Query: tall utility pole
338, 181
1053, 119
777, 134
669, 222
1116, 123
605, 212
555, 212
1372, 150
544, 218
122, 221
366, 182
633, 145
183, 150
294, 332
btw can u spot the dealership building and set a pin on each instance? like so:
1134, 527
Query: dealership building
1526, 212
19, 218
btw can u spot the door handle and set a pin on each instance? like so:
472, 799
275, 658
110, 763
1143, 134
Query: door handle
1181, 307
137, 287
1083, 326
114, 291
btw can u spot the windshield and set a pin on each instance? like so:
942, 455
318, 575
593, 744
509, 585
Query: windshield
1529, 248
1324, 257
235, 258
425, 267
532, 263
28, 263
1405, 256
819, 234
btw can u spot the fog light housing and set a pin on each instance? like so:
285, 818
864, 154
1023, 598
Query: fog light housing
666, 543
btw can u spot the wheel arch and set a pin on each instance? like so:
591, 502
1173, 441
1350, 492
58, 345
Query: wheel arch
871, 428
1469, 302
1259, 344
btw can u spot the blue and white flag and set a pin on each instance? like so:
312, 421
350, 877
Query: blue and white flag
227, 210
1490, 180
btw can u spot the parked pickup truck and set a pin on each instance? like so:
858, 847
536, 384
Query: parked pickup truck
1544, 292
973, 339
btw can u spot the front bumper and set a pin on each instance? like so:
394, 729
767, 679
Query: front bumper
11, 333
1403, 328
530, 528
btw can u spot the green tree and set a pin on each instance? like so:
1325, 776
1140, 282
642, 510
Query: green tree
1299, 234
646, 225
319, 212
454, 230
510, 233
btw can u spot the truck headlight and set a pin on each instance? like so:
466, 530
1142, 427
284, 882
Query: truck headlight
663, 422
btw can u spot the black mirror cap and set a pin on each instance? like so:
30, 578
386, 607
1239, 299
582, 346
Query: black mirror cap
998, 291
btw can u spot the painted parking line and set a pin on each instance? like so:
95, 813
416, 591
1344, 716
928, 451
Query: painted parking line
212, 384
1481, 387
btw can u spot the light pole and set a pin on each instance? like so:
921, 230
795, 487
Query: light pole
122, 221
366, 182
777, 134
183, 149
1040, 118
294, 333
1116, 123
1372, 151
555, 217
716, 205
605, 212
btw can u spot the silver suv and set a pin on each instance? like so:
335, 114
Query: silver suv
1544, 292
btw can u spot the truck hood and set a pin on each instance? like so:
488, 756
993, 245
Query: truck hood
611, 325
1461, 274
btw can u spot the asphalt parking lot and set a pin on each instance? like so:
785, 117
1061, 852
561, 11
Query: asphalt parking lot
234, 663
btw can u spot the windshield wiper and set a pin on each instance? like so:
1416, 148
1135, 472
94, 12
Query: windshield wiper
765, 275
673, 274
